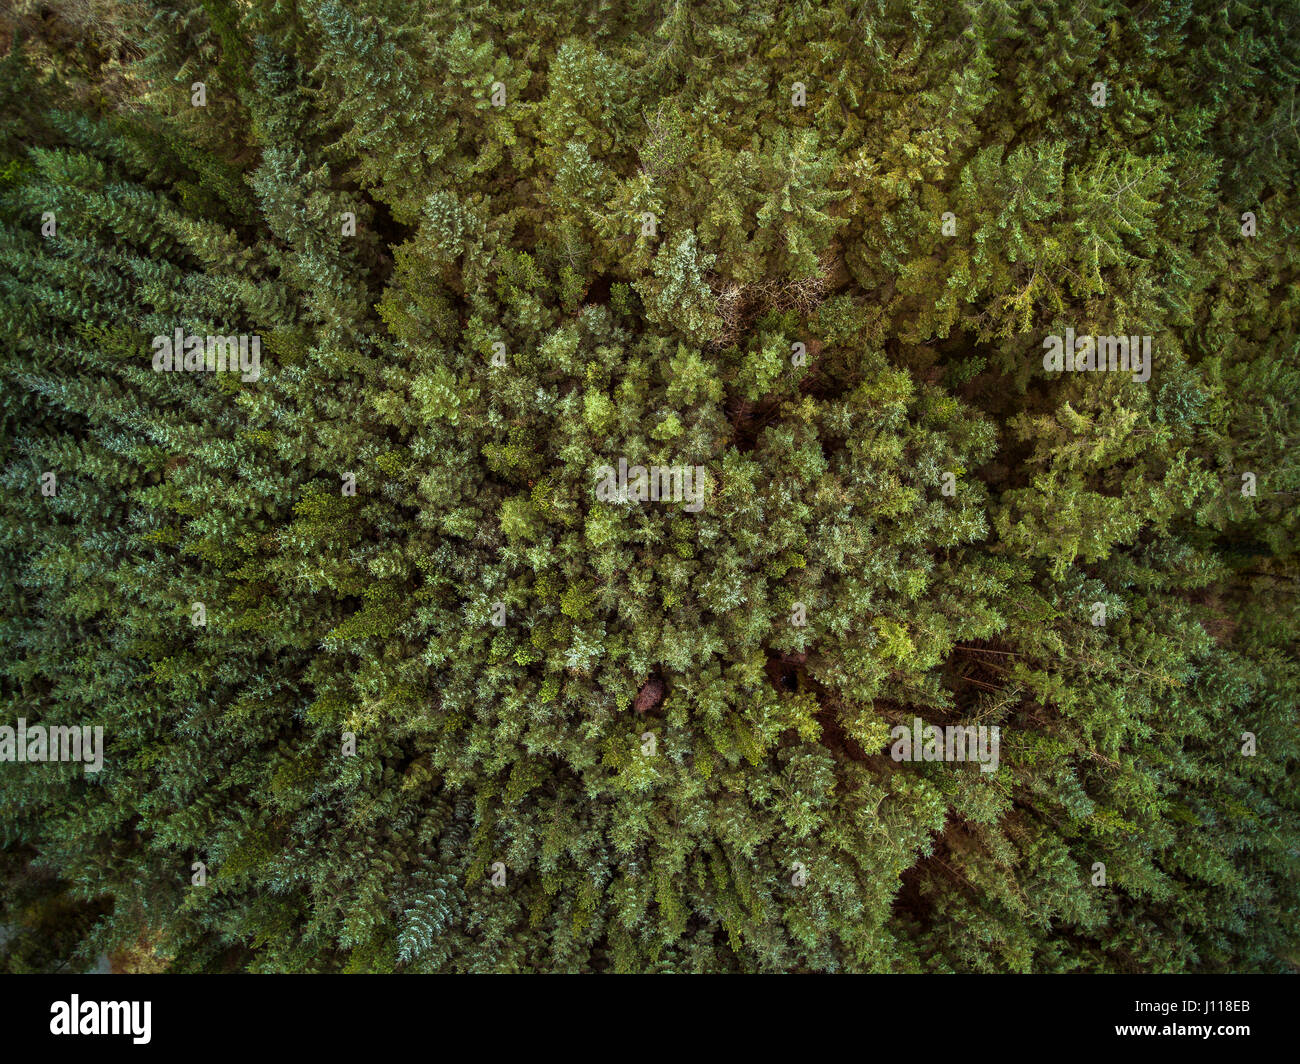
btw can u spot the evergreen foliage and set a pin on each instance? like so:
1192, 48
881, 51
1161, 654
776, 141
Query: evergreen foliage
812, 250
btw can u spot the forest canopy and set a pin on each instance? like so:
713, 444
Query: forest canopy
503, 481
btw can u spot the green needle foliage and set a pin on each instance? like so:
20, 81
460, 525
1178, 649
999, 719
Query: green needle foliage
450, 709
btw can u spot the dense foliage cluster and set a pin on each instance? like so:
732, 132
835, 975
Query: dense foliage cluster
813, 249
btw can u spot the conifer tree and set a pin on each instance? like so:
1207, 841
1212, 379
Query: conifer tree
389, 681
